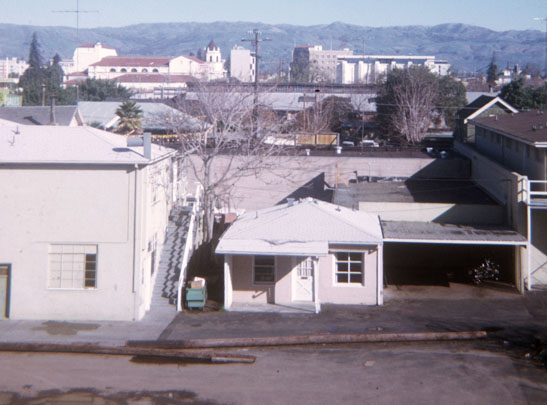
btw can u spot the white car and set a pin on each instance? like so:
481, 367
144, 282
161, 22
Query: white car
369, 143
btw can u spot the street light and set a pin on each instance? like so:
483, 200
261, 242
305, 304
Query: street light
545, 63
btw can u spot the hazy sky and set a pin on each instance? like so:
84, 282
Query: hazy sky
498, 15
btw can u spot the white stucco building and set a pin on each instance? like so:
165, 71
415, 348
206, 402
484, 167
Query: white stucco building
82, 218
214, 61
242, 64
369, 68
115, 66
304, 252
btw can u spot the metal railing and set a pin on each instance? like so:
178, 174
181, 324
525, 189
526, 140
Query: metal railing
532, 195
189, 245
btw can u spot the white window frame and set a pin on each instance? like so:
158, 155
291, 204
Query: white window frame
273, 266
72, 267
349, 272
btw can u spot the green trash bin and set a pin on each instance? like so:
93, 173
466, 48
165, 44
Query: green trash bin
196, 297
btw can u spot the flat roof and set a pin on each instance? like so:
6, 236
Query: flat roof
448, 191
431, 232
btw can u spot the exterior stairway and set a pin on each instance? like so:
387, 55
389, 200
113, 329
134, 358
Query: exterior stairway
164, 296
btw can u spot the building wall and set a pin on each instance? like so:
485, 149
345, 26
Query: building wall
366, 293
84, 57
107, 207
370, 68
280, 292
518, 156
242, 64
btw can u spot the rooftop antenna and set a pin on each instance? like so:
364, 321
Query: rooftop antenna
77, 12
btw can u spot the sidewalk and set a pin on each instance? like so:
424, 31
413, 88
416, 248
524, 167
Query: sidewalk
510, 316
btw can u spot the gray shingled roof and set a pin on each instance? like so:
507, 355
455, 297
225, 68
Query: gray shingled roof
38, 115
529, 127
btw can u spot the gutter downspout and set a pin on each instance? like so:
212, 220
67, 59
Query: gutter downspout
134, 288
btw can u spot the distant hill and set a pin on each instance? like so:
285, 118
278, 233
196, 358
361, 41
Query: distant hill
468, 48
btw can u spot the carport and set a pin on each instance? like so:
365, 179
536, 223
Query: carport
428, 253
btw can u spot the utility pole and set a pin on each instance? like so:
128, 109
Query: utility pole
256, 42
77, 12
545, 63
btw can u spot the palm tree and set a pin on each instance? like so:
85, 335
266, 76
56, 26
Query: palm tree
130, 115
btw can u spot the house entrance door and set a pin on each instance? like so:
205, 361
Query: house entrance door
4, 290
303, 280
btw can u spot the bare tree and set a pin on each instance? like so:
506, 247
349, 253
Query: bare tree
223, 139
406, 102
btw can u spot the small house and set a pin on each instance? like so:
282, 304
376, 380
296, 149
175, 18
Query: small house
303, 252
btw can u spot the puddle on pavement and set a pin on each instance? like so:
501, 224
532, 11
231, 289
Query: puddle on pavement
91, 396
65, 328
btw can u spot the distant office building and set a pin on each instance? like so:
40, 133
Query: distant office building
12, 66
242, 64
369, 68
313, 64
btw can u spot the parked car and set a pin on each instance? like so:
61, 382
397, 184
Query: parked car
369, 143
348, 143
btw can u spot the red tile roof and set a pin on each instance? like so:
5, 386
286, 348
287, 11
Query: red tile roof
141, 61
530, 126
153, 78
92, 45
194, 59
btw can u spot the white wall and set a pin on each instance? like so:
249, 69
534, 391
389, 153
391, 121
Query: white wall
79, 205
242, 65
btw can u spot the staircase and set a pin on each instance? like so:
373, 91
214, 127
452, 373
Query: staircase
164, 296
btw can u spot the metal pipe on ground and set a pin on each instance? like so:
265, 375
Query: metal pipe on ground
183, 355
309, 340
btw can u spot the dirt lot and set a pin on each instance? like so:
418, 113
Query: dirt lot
457, 373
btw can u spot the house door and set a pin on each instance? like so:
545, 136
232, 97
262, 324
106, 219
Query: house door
303, 280
4, 290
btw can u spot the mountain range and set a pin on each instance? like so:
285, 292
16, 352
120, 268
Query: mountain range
468, 48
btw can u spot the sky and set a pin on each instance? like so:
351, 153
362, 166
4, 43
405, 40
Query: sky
499, 15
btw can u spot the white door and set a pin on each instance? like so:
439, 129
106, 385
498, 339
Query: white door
303, 279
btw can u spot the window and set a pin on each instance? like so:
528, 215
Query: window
155, 70
264, 269
72, 266
348, 267
123, 70
144, 70
113, 70
134, 70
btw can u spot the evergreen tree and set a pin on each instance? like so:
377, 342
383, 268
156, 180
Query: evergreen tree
492, 72
524, 97
35, 59
100, 90
451, 96
34, 77
200, 54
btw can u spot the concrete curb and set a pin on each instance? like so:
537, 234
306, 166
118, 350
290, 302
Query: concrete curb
308, 340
